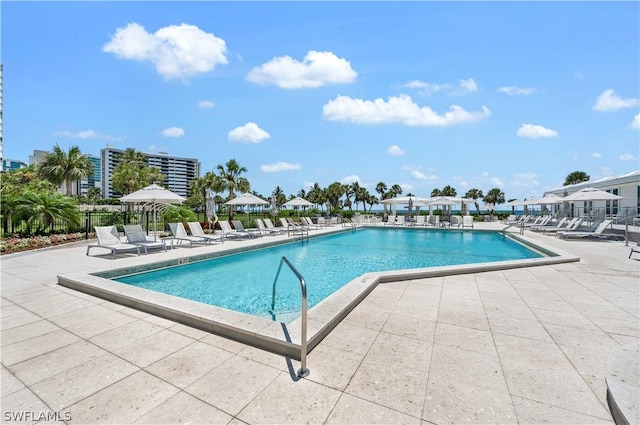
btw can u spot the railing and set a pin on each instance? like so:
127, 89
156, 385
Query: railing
519, 224
303, 371
626, 221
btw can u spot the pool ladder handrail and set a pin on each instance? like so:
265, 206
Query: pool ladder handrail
519, 224
303, 371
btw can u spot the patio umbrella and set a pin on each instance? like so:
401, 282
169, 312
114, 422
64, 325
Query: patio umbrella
591, 194
247, 199
298, 202
210, 208
156, 195
274, 206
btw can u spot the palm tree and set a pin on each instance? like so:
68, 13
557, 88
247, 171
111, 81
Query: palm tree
278, 193
576, 177
395, 190
316, 195
348, 191
448, 191
333, 194
40, 209
495, 196
231, 180
436, 192
474, 194
65, 167
129, 177
381, 188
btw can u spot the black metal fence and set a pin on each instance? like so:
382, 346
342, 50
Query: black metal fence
89, 221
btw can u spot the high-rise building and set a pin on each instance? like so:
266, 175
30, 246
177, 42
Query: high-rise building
94, 179
178, 172
11, 164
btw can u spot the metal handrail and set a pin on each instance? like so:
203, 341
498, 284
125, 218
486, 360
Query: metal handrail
626, 227
519, 224
303, 371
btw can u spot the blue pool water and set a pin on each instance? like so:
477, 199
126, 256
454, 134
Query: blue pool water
243, 282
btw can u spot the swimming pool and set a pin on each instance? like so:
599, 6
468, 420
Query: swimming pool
282, 337
243, 282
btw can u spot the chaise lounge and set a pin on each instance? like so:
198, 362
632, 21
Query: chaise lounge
109, 238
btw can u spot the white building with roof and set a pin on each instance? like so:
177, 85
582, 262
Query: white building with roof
626, 185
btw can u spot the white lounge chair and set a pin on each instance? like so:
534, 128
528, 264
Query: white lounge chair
180, 234
572, 224
109, 238
239, 227
467, 221
399, 220
230, 232
265, 230
434, 221
391, 221
293, 227
270, 226
310, 224
597, 233
420, 220
559, 224
196, 230
136, 236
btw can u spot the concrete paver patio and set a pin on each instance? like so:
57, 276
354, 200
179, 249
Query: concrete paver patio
522, 346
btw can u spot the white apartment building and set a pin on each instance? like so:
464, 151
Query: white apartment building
626, 185
178, 172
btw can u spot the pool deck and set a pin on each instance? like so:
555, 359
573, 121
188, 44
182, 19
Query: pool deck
522, 346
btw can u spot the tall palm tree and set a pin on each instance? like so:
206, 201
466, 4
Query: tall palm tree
381, 188
474, 194
449, 191
316, 195
65, 167
576, 177
333, 194
395, 190
231, 179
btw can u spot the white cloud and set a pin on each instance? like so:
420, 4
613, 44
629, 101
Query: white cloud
610, 101
173, 132
497, 182
520, 180
206, 104
406, 187
279, 166
315, 70
596, 155
533, 131
175, 51
627, 157
398, 109
514, 91
248, 133
88, 134
395, 150
419, 175
636, 122
428, 88
464, 87
350, 179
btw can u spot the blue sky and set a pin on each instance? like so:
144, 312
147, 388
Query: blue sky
421, 94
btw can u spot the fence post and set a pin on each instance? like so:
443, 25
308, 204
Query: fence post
87, 222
